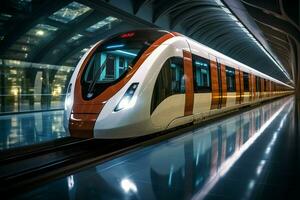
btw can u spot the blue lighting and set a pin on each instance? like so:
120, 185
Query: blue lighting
201, 64
127, 53
115, 46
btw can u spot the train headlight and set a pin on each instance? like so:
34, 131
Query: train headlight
127, 101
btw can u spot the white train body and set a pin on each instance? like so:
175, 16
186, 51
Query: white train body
137, 116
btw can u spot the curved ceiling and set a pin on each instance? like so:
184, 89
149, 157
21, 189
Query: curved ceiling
213, 24
279, 23
59, 32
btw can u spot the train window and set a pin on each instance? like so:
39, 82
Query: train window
230, 78
109, 66
122, 66
125, 49
201, 71
114, 58
258, 88
170, 81
246, 81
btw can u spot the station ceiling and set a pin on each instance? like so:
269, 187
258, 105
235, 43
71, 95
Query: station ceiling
262, 34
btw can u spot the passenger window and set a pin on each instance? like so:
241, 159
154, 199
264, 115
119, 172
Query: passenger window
170, 81
201, 71
230, 79
246, 81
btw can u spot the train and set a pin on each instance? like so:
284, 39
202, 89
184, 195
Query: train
149, 80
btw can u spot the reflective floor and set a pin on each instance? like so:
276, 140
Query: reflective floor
248, 156
31, 128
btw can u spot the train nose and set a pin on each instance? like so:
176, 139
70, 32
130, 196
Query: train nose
83, 119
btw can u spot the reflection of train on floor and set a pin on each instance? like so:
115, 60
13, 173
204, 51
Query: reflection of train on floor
197, 161
147, 81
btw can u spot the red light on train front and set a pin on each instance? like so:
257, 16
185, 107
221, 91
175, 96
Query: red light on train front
127, 35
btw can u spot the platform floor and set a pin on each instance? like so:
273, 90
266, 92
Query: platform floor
252, 155
31, 128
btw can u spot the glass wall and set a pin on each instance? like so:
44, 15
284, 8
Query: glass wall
41, 42
38, 56
29, 86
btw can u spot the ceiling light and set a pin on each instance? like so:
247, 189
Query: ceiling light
70, 12
39, 33
107, 21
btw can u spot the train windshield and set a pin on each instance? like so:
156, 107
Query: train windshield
116, 56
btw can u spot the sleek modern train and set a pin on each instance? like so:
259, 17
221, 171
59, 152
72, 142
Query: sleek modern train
145, 81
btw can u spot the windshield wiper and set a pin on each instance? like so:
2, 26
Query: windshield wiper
93, 83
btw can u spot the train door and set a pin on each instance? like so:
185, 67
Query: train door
173, 94
215, 83
189, 83
238, 85
254, 93
202, 74
220, 84
242, 86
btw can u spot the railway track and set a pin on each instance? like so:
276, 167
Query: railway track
14, 154
19, 171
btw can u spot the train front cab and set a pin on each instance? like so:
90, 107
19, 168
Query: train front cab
107, 79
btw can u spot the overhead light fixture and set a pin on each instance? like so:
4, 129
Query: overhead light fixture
84, 50
115, 46
126, 53
39, 32
74, 38
250, 35
70, 12
107, 21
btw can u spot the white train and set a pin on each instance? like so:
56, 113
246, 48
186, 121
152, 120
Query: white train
150, 80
